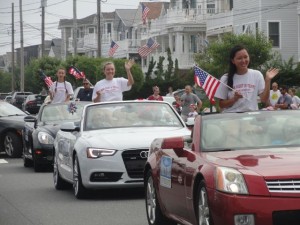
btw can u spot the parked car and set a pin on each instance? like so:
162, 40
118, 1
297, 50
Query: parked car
7, 98
237, 168
11, 125
3, 95
33, 103
109, 148
40, 130
18, 98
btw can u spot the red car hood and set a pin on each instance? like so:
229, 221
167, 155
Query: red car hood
268, 163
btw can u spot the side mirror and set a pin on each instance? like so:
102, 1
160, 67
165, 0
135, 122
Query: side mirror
69, 127
173, 143
30, 119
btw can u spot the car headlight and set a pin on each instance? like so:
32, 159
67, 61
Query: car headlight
99, 152
230, 180
45, 138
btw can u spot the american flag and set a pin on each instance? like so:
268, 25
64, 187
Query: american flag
145, 11
48, 81
209, 83
113, 48
76, 73
148, 48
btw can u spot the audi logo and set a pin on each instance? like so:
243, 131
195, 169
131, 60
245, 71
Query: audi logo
144, 154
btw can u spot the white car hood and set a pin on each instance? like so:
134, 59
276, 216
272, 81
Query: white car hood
130, 138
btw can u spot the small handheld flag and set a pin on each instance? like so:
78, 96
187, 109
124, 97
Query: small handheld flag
48, 81
209, 83
76, 73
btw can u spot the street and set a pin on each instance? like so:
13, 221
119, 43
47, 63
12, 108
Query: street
29, 198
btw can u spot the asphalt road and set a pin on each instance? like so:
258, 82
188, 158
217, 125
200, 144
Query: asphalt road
29, 198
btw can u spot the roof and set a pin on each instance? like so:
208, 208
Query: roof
91, 19
128, 16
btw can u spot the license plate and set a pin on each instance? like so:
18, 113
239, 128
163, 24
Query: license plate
38, 104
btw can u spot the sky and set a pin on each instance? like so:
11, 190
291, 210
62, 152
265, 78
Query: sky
54, 11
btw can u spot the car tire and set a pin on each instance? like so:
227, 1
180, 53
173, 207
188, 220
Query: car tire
36, 166
153, 210
13, 145
79, 190
201, 206
59, 182
27, 162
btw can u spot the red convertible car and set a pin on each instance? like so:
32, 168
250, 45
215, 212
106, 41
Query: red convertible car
236, 169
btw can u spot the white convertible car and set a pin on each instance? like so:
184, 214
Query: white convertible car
109, 146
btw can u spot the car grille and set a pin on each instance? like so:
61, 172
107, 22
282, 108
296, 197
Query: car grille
284, 186
105, 176
286, 217
134, 163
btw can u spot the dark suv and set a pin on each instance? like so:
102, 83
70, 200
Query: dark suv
18, 98
33, 103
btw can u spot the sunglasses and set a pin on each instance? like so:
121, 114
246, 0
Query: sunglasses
85, 83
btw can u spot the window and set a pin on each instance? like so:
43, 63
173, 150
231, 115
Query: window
91, 30
109, 28
210, 8
274, 34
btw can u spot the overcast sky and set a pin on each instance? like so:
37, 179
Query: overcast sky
55, 10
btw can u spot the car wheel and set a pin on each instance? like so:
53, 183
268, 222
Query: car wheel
79, 189
59, 183
27, 162
36, 165
154, 213
202, 208
13, 145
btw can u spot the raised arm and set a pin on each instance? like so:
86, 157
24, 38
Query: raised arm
128, 66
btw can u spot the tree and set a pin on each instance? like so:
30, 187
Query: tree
151, 66
215, 57
169, 72
92, 67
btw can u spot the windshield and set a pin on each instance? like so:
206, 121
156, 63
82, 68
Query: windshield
60, 112
251, 130
131, 114
7, 109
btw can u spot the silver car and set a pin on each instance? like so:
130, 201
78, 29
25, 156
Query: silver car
109, 147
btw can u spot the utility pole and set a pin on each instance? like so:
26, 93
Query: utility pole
74, 27
99, 38
43, 5
12, 48
22, 48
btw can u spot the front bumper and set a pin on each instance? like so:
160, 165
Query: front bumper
112, 171
266, 210
43, 155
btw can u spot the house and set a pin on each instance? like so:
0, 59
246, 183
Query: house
86, 34
181, 27
55, 49
276, 19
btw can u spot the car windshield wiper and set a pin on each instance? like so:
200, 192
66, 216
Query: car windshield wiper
218, 150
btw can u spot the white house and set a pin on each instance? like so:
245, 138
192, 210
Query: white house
186, 27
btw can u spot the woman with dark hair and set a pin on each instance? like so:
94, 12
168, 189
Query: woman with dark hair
240, 87
60, 90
